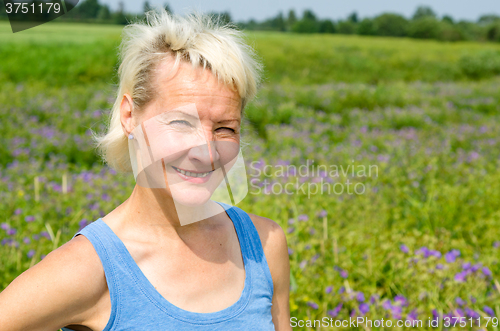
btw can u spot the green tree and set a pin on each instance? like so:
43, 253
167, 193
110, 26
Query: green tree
448, 19
104, 13
353, 17
326, 26
424, 28
119, 17
493, 32
449, 32
308, 23
424, 11
488, 19
146, 7
87, 9
291, 19
346, 27
279, 22
223, 17
168, 8
389, 24
367, 27
309, 15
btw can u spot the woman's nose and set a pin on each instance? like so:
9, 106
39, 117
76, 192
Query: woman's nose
206, 153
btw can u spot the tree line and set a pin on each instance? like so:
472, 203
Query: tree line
424, 23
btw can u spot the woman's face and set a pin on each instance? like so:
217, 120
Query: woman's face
189, 135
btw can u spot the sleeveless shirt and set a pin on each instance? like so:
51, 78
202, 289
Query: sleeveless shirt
137, 305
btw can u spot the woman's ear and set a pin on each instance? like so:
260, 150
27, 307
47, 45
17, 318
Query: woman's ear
126, 119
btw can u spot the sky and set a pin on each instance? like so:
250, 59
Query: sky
332, 9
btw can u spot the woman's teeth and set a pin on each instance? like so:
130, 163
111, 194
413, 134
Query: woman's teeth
192, 174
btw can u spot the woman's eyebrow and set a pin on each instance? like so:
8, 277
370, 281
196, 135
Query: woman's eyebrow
166, 113
230, 120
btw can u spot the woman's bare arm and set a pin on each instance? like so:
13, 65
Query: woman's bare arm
275, 248
60, 290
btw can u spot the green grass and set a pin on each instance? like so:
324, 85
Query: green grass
406, 107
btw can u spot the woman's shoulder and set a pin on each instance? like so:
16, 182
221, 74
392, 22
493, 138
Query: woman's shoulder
274, 243
64, 287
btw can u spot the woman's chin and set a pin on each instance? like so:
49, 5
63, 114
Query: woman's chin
191, 198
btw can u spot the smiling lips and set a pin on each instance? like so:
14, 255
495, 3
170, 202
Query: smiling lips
193, 177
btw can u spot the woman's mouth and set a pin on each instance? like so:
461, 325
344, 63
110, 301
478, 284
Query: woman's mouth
193, 176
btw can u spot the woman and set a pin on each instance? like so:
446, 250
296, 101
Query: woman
169, 257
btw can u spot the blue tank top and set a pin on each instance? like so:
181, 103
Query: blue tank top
137, 305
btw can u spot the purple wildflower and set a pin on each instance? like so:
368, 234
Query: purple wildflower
404, 248
401, 300
364, 308
45, 234
18, 211
322, 213
460, 301
29, 219
341, 289
486, 271
343, 274
435, 314
488, 311
461, 276
290, 251
335, 311
26, 240
31, 253
459, 313
387, 304
360, 296
5, 226
374, 298
476, 267
496, 244
472, 313
329, 289
11, 232
353, 312
83, 223
396, 311
435, 253
303, 218
452, 255
312, 304
290, 230
423, 251
412, 316
466, 266
439, 266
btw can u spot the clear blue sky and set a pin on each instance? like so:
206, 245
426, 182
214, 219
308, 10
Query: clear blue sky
333, 9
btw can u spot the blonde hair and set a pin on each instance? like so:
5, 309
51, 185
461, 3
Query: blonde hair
198, 39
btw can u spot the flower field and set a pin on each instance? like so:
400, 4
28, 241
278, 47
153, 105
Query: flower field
378, 157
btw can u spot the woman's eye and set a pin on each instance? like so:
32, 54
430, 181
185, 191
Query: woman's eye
180, 122
225, 129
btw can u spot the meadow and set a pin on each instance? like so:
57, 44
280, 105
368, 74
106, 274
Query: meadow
415, 238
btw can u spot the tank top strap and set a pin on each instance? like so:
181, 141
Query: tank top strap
108, 251
254, 250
